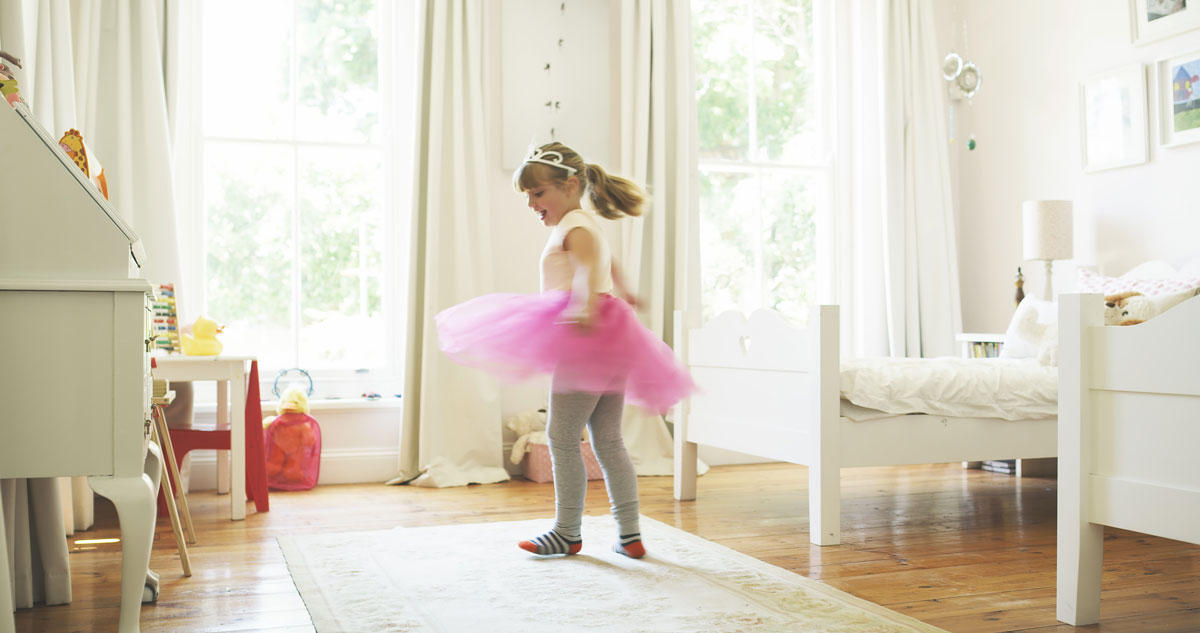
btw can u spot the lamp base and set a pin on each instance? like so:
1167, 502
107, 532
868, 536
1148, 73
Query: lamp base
1048, 287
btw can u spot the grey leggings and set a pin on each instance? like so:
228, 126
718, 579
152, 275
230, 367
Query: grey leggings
569, 411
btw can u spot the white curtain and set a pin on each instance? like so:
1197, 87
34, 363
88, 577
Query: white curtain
921, 264
96, 66
855, 259
451, 433
658, 140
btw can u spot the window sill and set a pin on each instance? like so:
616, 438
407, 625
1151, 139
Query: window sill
324, 404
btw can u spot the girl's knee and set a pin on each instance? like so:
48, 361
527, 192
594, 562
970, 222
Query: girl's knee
563, 437
608, 452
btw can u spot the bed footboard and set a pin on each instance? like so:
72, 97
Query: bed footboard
1129, 422
769, 389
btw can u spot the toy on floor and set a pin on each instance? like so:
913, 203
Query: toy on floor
530, 427
293, 444
203, 339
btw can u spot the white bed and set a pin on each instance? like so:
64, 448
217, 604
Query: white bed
1129, 411
772, 390
769, 389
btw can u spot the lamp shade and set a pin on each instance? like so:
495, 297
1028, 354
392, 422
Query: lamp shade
1046, 225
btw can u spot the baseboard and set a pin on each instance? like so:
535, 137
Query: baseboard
714, 456
351, 466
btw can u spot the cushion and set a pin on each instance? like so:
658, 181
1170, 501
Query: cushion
1029, 327
1093, 282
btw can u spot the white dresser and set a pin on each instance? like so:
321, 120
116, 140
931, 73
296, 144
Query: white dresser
74, 324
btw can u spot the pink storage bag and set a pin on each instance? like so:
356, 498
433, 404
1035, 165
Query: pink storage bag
293, 442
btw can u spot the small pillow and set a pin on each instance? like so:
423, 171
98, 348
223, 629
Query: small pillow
1093, 282
1029, 327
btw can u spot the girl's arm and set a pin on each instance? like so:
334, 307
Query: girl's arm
621, 288
581, 247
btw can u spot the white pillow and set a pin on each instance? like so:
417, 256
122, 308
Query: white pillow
1029, 329
1134, 281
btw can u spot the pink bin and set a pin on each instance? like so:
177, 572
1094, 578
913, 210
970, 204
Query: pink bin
293, 448
537, 466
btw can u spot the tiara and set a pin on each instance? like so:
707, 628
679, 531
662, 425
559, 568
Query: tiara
552, 158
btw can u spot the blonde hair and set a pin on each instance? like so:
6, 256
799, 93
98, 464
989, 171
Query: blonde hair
612, 196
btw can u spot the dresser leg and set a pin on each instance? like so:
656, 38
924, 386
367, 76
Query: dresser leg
6, 603
136, 510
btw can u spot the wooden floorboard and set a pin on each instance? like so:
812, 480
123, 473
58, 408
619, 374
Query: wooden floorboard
966, 550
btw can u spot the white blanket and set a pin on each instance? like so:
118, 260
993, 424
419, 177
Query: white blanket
1010, 389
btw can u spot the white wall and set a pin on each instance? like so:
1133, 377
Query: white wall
519, 236
1033, 55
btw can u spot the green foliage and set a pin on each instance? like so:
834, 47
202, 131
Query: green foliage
722, 103
340, 243
258, 205
249, 264
758, 234
338, 52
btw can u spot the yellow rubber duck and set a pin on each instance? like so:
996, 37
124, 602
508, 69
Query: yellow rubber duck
203, 339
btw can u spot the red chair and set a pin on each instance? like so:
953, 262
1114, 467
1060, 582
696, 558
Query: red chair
184, 440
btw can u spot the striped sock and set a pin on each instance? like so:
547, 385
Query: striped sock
552, 543
630, 545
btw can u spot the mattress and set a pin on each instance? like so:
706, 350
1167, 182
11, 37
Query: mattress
1005, 388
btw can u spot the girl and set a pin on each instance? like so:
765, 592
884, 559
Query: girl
591, 343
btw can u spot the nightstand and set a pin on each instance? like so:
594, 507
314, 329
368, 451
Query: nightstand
980, 345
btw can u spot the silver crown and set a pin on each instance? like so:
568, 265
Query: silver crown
552, 158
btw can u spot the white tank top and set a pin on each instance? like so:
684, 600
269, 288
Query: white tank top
556, 273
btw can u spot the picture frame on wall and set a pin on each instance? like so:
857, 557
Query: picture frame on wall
1114, 128
1151, 20
1177, 82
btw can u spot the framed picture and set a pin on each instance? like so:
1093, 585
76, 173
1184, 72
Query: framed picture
1113, 118
1178, 87
1152, 20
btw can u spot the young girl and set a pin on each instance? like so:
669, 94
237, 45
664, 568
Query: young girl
597, 352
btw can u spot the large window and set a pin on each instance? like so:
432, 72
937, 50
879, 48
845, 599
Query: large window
764, 162
295, 137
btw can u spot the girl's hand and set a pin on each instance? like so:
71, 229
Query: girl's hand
579, 316
632, 300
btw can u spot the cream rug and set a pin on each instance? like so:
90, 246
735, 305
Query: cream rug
473, 579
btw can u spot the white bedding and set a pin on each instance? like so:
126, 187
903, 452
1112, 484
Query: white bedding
1009, 389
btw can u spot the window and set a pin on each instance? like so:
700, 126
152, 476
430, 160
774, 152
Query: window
298, 130
765, 170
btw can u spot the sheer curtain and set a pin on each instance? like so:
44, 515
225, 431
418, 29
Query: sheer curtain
97, 66
921, 265
658, 139
451, 432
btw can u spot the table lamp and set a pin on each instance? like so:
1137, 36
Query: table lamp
1048, 235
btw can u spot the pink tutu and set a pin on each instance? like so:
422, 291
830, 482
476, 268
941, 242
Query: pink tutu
516, 336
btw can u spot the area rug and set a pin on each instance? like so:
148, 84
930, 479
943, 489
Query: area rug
473, 579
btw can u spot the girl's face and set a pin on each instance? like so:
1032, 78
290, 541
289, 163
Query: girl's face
551, 201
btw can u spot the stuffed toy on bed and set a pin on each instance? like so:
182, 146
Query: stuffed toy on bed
1128, 308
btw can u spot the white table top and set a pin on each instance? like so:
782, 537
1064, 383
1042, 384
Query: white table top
181, 358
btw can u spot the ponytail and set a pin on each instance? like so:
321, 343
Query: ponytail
613, 196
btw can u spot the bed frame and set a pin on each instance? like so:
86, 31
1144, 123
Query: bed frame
1129, 411
769, 389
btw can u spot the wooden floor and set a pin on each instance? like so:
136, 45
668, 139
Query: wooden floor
966, 550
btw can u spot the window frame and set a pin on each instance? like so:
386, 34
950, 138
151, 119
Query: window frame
397, 135
823, 163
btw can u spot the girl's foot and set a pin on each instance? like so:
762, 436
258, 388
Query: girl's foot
630, 545
552, 543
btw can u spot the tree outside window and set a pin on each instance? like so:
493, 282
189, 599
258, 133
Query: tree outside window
763, 164
294, 190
